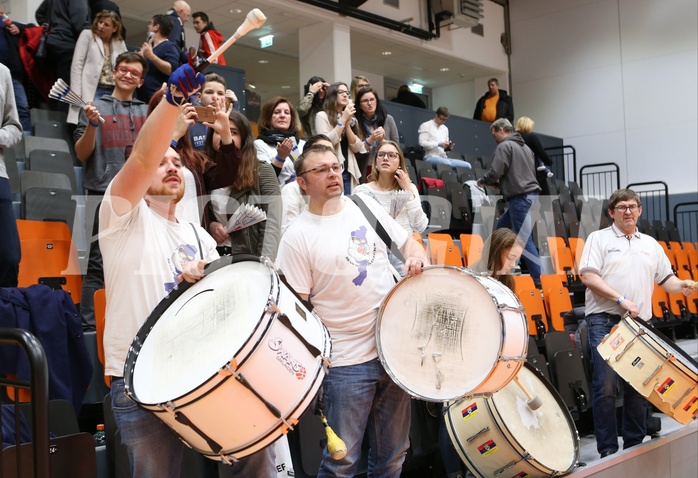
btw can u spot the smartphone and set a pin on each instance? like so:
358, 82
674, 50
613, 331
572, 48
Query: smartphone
205, 114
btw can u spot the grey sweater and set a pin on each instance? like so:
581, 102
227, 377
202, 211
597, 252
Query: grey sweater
514, 167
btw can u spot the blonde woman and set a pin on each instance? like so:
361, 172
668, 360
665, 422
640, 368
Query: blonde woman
91, 73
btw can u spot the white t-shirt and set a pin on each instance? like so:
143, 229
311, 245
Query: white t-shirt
431, 135
412, 217
294, 202
631, 265
342, 264
143, 254
187, 209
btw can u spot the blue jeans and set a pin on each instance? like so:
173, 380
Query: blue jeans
153, 448
22, 106
364, 399
454, 163
604, 388
10, 252
518, 219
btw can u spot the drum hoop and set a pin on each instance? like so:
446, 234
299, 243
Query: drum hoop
652, 343
169, 299
565, 411
389, 370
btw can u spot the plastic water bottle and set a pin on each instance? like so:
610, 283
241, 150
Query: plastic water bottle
99, 436
4, 19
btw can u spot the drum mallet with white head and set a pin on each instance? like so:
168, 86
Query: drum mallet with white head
534, 403
255, 19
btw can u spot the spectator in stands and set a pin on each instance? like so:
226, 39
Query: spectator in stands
375, 122
10, 134
543, 162
332, 256
179, 14
161, 55
513, 168
214, 89
9, 56
278, 143
66, 19
406, 97
433, 137
358, 82
100, 147
255, 183
388, 176
98, 6
616, 261
311, 104
94, 61
211, 39
494, 104
337, 122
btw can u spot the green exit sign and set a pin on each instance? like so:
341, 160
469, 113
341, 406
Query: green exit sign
266, 41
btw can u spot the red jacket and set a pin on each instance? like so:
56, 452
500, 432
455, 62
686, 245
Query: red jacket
211, 39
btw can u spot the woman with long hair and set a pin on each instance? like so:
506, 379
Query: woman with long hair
337, 122
388, 176
278, 142
311, 104
500, 254
375, 122
254, 184
91, 73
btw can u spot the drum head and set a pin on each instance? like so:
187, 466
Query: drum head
439, 333
200, 330
548, 434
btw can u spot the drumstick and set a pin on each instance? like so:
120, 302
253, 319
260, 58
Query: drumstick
335, 445
255, 19
534, 403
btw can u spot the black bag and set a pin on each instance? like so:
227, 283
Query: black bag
41, 49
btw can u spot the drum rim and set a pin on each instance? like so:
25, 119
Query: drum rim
164, 304
391, 372
644, 337
497, 419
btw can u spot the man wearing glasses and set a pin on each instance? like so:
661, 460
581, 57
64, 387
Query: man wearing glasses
332, 256
100, 147
433, 137
620, 267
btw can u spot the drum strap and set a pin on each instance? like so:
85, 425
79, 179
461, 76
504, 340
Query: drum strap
184, 420
283, 318
198, 240
378, 227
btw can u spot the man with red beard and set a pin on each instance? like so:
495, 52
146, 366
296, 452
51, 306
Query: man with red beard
147, 251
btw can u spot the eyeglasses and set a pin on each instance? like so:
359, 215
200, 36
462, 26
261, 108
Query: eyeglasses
325, 169
343, 93
388, 154
443, 118
623, 208
134, 73
368, 101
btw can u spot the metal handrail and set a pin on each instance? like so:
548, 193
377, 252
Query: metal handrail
39, 396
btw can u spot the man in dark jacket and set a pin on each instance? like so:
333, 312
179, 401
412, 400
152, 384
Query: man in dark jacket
211, 39
513, 167
179, 14
9, 56
66, 19
494, 104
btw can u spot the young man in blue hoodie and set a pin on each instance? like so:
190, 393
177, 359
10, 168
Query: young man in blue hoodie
101, 147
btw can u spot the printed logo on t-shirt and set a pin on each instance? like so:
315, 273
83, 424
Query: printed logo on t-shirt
176, 262
360, 253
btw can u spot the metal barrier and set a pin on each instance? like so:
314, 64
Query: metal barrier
655, 200
686, 220
599, 180
564, 162
39, 397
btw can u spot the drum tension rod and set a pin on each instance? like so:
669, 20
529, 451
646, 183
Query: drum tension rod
627, 347
512, 464
678, 402
668, 358
469, 439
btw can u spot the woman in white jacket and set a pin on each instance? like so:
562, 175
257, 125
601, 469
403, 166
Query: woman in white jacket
91, 74
338, 123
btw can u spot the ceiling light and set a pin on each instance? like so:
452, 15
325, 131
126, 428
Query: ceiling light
251, 86
443, 69
235, 11
386, 53
285, 87
263, 62
416, 88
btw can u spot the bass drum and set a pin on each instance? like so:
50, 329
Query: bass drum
230, 362
448, 333
663, 374
502, 433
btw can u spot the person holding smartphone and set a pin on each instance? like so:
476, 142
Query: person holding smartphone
433, 137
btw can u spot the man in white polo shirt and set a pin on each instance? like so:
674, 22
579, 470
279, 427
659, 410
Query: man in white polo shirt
620, 267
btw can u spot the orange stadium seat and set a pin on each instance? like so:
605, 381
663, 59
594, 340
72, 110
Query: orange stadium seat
472, 245
559, 302
660, 304
561, 256
443, 250
523, 282
536, 317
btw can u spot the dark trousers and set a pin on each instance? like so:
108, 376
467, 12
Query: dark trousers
10, 252
94, 277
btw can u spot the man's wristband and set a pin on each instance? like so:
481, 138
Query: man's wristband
94, 125
620, 299
279, 159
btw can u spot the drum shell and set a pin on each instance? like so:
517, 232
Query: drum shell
491, 312
281, 368
639, 356
488, 442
